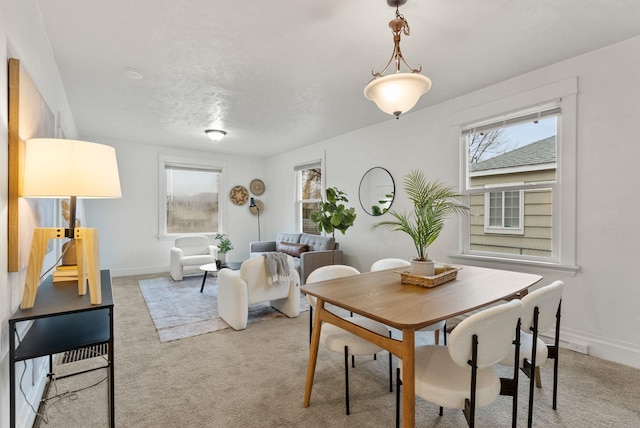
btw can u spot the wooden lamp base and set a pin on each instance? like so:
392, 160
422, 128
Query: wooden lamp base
87, 256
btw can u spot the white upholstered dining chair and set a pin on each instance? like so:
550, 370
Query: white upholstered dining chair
339, 340
393, 263
540, 312
462, 375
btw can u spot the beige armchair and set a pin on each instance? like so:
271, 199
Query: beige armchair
239, 289
190, 252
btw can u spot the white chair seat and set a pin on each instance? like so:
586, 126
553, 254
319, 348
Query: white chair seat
197, 260
448, 386
526, 347
335, 339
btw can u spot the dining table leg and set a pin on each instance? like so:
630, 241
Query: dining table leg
408, 378
313, 351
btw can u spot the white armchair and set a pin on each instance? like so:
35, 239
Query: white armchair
239, 289
189, 252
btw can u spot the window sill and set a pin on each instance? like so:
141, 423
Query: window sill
515, 264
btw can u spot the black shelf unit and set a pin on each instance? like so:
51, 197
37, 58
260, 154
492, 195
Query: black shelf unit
63, 321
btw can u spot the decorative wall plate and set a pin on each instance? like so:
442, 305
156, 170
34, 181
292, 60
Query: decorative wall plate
259, 206
239, 195
257, 187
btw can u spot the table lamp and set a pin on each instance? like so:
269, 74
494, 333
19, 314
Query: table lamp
58, 168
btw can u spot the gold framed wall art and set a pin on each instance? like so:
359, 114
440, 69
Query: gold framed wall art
29, 117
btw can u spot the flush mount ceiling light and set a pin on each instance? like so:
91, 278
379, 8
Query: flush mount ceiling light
397, 93
130, 73
215, 134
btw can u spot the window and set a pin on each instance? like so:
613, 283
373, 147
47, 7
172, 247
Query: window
518, 156
511, 175
189, 196
503, 212
309, 195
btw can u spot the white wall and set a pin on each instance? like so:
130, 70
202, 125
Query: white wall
600, 303
22, 36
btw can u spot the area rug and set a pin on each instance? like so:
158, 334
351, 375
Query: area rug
179, 310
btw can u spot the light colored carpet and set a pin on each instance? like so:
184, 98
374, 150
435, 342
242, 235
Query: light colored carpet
255, 379
179, 310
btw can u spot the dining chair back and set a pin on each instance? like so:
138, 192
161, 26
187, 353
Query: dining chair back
339, 340
462, 375
325, 273
540, 312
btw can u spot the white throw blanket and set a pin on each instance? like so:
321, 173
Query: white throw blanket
277, 267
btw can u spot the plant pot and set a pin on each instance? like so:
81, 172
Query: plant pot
422, 268
223, 258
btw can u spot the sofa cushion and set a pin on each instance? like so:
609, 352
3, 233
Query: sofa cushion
291, 248
317, 242
289, 237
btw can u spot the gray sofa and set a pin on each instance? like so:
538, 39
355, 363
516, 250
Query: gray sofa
309, 252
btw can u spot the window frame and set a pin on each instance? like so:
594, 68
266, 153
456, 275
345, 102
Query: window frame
564, 189
502, 229
315, 161
187, 162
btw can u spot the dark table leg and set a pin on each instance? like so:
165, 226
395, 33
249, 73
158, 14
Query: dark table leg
204, 278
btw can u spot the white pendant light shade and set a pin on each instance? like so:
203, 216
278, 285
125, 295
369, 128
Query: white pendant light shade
397, 93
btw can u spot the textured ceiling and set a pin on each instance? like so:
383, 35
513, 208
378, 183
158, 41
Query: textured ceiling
282, 74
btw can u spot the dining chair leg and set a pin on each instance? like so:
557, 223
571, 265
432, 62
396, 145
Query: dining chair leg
390, 368
554, 353
532, 365
310, 322
346, 377
444, 333
398, 383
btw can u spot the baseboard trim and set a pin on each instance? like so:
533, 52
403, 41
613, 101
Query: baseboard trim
602, 347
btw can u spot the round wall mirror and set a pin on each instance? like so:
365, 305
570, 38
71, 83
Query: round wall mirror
377, 191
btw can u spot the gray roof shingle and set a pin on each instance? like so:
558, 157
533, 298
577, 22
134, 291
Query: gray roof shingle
538, 152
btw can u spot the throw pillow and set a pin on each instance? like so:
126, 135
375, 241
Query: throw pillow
291, 248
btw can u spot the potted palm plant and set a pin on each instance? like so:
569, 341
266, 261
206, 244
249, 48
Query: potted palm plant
333, 215
432, 202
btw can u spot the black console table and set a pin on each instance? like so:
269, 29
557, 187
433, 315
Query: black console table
63, 321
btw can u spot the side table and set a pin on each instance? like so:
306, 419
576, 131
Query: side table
213, 267
208, 268
62, 321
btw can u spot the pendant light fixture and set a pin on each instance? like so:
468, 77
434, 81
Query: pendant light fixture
397, 93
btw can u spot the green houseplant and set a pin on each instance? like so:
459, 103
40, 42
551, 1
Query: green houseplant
432, 202
333, 215
224, 246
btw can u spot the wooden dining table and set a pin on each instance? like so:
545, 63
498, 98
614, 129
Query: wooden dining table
381, 296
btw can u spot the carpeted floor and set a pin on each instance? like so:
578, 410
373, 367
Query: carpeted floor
256, 378
180, 310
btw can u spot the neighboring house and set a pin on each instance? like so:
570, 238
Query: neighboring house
514, 221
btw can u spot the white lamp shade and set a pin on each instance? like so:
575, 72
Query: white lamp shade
57, 168
397, 93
